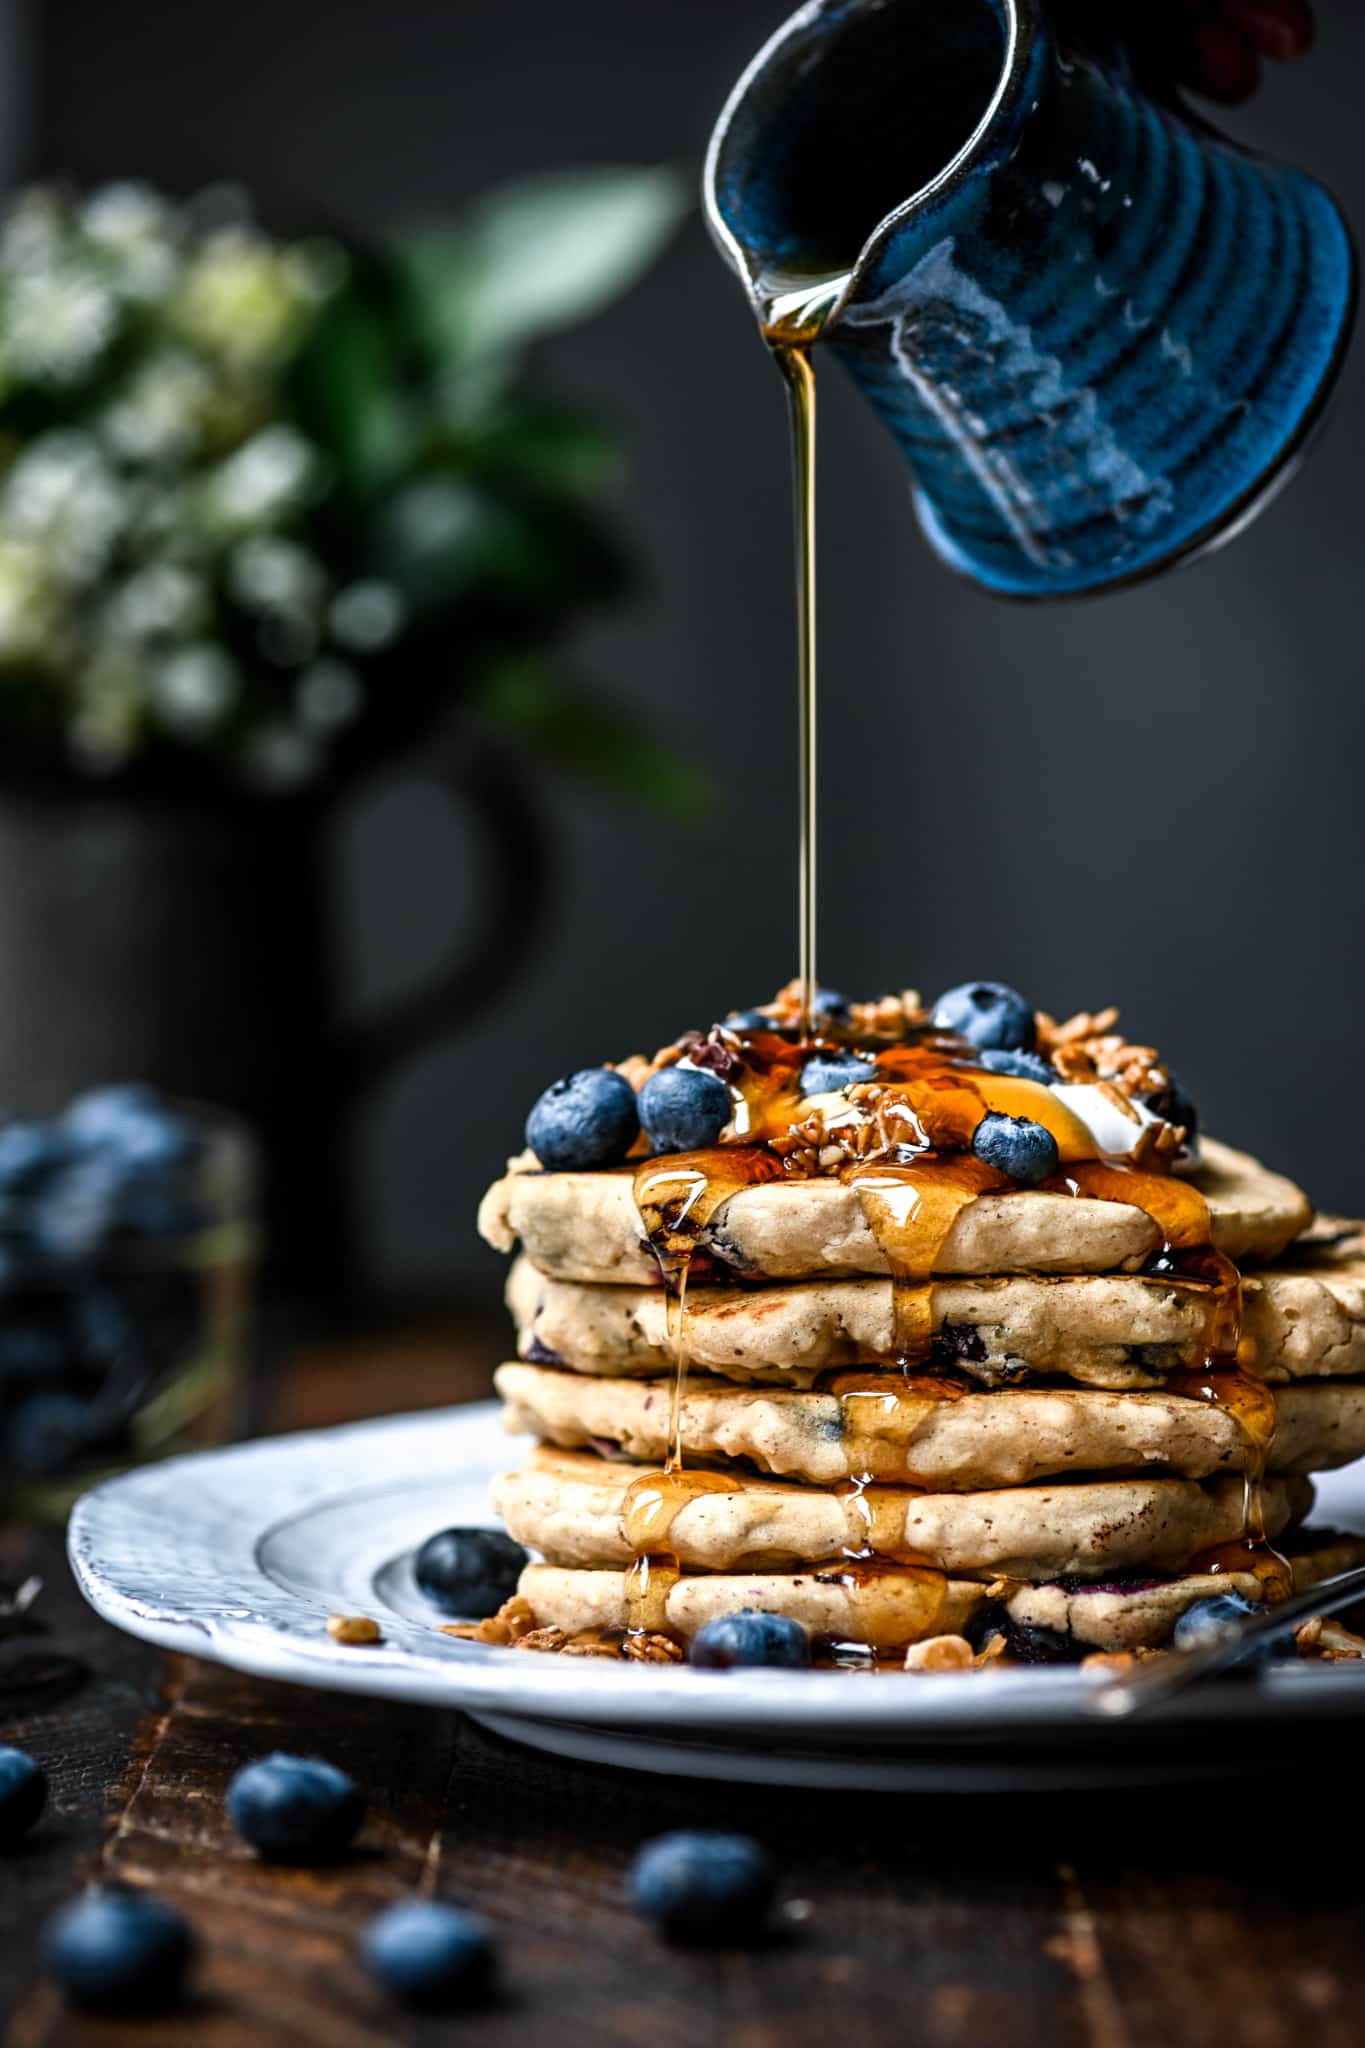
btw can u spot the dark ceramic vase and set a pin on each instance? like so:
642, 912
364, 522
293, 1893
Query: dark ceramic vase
190, 945
1099, 331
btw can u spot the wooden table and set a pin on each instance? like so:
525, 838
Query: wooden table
1227, 1916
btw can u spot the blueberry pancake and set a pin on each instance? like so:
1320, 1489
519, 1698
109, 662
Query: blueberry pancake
579, 1509
933, 1431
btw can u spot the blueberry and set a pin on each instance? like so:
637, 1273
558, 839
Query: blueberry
75, 1213
827, 1002
1021, 1066
830, 1071
295, 1809
119, 1951
588, 1119
1210, 1620
684, 1109
430, 1955
1017, 1146
133, 1123
988, 1015
1172, 1103
703, 1888
750, 1638
469, 1572
48, 1434
749, 1020
23, 1794
28, 1152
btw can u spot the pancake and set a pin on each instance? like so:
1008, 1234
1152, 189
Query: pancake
571, 1506
586, 1227
932, 1432
1304, 1317
1042, 1621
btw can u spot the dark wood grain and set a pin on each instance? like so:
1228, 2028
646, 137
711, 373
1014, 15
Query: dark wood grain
1171, 1919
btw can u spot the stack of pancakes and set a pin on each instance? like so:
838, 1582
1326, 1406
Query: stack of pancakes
1059, 1468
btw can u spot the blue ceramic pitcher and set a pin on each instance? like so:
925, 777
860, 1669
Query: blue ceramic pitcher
1099, 331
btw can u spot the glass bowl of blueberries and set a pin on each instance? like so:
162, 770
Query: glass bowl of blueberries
127, 1244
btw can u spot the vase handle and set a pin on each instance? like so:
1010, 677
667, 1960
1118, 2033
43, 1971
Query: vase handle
514, 892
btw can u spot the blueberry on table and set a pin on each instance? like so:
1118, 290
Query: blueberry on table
430, 1955
988, 1015
23, 1794
750, 1638
684, 1109
295, 1809
1017, 1146
469, 1572
1214, 1619
704, 1889
830, 1071
119, 1951
587, 1120
1020, 1066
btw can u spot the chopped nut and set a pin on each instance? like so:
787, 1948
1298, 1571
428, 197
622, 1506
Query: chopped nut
512, 1620
652, 1650
542, 1639
354, 1629
940, 1653
591, 1643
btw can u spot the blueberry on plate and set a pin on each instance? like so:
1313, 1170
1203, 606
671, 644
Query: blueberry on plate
988, 1015
119, 1951
430, 1955
469, 1572
684, 1109
132, 1123
1219, 1616
1020, 1066
295, 1809
702, 1888
1017, 1146
750, 1638
587, 1120
830, 1071
23, 1794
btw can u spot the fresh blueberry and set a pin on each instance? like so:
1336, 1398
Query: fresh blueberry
132, 1122
684, 1109
1021, 1066
827, 1002
586, 1120
28, 1152
430, 1955
1172, 1103
295, 1809
750, 1638
23, 1794
48, 1434
988, 1015
469, 1572
119, 1951
749, 1020
703, 1888
75, 1213
1017, 1146
830, 1071
1211, 1620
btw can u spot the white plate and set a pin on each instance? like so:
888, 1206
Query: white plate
240, 1555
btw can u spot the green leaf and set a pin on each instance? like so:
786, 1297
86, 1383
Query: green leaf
560, 446
596, 739
350, 397
540, 255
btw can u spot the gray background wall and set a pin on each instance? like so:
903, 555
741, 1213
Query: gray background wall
1154, 801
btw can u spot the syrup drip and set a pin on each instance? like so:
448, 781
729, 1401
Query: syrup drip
880, 1416
911, 1211
895, 1604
